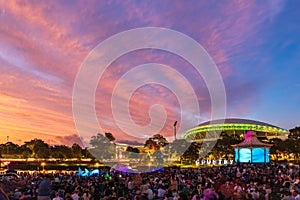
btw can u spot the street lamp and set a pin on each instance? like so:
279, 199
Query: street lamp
43, 165
7, 146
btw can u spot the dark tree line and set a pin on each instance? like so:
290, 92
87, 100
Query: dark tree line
37, 148
295, 133
103, 147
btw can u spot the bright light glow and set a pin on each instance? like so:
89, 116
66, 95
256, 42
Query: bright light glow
243, 155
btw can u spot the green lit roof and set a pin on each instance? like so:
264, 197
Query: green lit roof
235, 124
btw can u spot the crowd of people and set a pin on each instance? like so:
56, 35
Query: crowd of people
239, 181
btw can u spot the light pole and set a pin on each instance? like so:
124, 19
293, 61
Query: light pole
43, 165
97, 165
7, 137
175, 123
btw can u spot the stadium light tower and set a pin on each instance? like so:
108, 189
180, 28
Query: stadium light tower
175, 129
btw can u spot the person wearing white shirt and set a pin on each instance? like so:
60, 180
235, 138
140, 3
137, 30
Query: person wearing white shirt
150, 193
160, 192
57, 197
75, 195
87, 195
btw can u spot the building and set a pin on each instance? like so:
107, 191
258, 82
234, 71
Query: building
251, 150
211, 130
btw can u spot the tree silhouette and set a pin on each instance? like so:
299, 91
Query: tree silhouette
39, 148
278, 145
61, 151
102, 147
133, 152
110, 136
158, 158
87, 154
192, 153
26, 152
132, 149
10, 148
76, 151
295, 133
156, 142
178, 147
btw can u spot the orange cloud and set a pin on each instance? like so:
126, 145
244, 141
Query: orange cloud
42, 46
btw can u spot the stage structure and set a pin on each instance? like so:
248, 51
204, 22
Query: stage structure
251, 150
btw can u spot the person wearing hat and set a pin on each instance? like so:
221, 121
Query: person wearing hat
44, 190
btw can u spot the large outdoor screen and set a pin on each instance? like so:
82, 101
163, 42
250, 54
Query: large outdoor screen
259, 155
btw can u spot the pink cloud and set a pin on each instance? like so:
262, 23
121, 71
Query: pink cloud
68, 140
40, 40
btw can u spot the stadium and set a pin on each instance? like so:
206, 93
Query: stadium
211, 130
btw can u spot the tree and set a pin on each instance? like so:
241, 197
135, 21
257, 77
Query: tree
86, 154
158, 158
156, 142
295, 133
110, 137
132, 149
223, 146
102, 147
10, 148
192, 153
26, 152
178, 147
278, 145
76, 151
39, 148
133, 152
61, 151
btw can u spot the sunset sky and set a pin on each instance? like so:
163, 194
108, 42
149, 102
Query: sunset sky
255, 45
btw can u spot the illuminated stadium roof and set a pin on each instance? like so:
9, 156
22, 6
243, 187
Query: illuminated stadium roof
233, 125
236, 121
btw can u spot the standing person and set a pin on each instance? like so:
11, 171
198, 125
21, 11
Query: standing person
151, 195
238, 188
161, 192
196, 197
57, 197
44, 190
3, 196
86, 195
75, 195
17, 194
174, 184
254, 192
210, 194
227, 190
61, 193
130, 185
288, 196
296, 195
